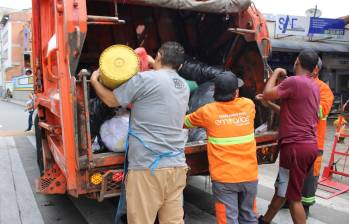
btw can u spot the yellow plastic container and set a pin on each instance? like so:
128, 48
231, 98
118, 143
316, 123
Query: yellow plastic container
117, 64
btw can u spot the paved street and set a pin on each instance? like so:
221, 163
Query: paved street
12, 118
20, 204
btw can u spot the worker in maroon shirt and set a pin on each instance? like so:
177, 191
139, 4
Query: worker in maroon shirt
300, 97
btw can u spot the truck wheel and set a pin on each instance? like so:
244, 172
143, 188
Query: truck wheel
38, 136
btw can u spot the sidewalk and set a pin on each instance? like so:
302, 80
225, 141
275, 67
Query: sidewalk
15, 101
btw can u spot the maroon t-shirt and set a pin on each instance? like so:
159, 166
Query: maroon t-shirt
300, 100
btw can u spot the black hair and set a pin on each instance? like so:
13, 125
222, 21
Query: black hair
172, 54
308, 59
224, 98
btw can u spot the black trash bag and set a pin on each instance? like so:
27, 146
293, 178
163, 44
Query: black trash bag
200, 97
99, 113
200, 72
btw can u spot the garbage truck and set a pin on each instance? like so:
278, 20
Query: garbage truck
68, 38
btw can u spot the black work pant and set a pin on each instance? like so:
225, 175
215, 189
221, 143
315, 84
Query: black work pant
30, 120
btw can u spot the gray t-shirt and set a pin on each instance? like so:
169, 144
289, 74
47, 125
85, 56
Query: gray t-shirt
159, 102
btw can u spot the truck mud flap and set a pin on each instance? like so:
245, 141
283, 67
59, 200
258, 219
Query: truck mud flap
52, 182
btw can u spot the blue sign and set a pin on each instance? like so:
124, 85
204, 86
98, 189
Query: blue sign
326, 26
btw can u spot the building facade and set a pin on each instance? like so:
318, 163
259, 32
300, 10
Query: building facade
16, 49
3, 11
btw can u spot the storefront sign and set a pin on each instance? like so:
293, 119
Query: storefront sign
327, 26
292, 25
309, 26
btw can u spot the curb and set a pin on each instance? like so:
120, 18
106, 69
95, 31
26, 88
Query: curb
18, 102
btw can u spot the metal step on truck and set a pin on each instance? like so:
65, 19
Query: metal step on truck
68, 38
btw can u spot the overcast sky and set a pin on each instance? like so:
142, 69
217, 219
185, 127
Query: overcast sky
329, 8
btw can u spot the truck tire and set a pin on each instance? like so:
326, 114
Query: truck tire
38, 137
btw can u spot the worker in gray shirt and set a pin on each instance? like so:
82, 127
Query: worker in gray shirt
157, 168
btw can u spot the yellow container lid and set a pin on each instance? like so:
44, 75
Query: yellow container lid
117, 64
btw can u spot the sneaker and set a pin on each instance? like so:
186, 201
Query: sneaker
260, 220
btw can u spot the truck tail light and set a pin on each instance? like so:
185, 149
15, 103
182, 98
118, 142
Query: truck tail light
118, 176
96, 179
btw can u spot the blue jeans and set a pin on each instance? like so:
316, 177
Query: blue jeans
30, 120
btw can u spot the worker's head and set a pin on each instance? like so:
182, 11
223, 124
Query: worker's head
226, 87
170, 54
306, 62
317, 68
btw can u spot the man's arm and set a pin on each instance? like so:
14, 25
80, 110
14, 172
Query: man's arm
270, 90
268, 103
274, 107
195, 119
30, 107
107, 96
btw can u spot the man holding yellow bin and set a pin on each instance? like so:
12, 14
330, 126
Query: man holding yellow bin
156, 160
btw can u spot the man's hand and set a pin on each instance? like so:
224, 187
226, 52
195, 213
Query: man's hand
270, 90
259, 97
95, 76
151, 61
106, 95
268, 103
280, 72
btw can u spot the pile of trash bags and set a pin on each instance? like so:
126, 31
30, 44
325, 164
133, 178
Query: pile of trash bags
114, 131
204, 75
199, 72
203, 95
109, 126
99, 113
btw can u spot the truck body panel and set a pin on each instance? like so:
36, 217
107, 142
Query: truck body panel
68, 37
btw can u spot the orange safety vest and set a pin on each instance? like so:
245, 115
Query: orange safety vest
231, 145
326, 100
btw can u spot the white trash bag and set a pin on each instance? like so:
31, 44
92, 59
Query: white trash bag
114, 132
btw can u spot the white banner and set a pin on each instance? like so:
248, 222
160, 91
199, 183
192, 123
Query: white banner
292, 25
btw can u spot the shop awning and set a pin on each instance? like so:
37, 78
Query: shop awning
297, 46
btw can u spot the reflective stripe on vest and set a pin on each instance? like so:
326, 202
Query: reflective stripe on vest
321, 114
188, 123
308, 200
231, 140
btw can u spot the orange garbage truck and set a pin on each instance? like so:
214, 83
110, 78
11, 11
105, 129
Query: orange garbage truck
68, 38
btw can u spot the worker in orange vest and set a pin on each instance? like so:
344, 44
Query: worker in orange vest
326, 101
231, 149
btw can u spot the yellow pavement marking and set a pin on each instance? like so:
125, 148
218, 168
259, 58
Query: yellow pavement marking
15, 133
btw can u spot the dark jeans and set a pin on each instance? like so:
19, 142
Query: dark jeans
234, 202
30, 120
